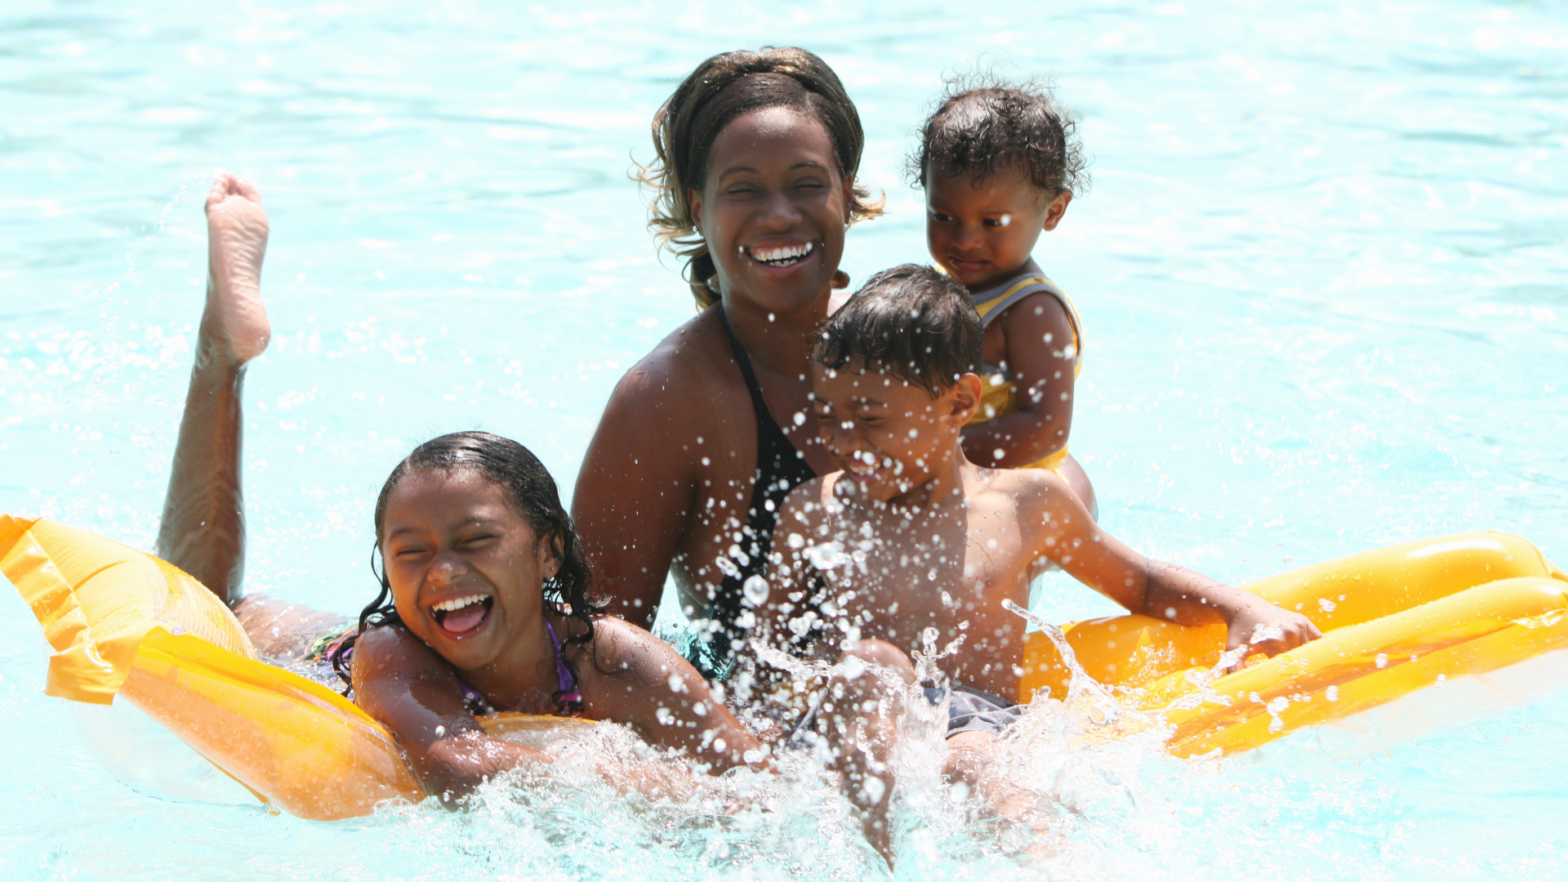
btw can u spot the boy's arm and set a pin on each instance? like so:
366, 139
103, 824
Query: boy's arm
1070, 537
1041, 346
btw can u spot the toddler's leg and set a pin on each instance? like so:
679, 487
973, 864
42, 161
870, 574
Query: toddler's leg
203, 528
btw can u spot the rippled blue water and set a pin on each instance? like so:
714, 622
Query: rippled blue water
1323, 269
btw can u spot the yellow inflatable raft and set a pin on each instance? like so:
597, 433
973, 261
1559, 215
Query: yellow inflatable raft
133, 632
1394, 620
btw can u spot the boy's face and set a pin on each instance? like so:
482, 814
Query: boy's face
982, 229
887, 434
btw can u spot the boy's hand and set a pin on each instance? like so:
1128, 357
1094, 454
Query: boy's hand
1269, 629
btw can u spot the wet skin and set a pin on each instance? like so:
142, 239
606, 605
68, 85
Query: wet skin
952, 540
667, 478
911, 540
453, 536
982, 230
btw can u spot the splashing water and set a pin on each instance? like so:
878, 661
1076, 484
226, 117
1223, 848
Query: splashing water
1320, 271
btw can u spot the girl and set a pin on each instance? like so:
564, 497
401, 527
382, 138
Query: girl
483, 605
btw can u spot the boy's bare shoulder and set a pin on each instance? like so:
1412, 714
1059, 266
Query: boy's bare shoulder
1031, 490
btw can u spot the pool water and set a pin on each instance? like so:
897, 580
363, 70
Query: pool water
1323, 271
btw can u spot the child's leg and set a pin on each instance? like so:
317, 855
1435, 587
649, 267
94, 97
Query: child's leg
203, 528
859, 718
972, 760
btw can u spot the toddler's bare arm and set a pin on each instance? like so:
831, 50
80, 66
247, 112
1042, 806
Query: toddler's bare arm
1040, 352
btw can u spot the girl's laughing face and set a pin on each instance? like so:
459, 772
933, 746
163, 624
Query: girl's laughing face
467, 571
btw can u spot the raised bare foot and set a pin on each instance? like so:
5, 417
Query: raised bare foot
234, 327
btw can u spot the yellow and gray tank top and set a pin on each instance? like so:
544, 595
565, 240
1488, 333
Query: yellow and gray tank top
999, 397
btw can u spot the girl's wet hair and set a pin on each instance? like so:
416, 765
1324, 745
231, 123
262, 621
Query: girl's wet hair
909, 321
530, 491
721, 89
984, 123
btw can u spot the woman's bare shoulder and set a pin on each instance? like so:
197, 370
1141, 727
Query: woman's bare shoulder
692, 353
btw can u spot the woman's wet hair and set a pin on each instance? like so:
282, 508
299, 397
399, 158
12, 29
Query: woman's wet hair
720, 90
909, 321
531, 493
984, 123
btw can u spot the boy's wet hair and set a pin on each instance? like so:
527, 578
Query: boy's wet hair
909, 321
985, 123
721, 89
531, 493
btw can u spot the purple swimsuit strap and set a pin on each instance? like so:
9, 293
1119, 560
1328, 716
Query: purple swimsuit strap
570, 698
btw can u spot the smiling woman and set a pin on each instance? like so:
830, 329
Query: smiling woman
754, 184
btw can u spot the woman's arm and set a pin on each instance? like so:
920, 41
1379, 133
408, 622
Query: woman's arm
636, 489
1040, 350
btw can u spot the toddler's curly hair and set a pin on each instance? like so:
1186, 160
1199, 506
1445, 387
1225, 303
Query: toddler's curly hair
984, 123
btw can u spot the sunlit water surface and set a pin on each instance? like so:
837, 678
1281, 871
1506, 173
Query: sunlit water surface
1322, 268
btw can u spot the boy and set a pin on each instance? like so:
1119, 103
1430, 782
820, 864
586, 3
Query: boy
999, 165
911, 536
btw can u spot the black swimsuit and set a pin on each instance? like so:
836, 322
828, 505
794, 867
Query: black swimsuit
780, 469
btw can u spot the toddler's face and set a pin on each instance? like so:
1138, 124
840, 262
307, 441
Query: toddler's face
981, 229
887, 434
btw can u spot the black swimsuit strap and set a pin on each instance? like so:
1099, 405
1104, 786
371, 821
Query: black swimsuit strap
780, 469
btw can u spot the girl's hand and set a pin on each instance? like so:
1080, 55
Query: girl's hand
1268, 629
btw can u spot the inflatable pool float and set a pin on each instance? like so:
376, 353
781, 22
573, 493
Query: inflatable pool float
145, 652
1441, 613
192, 713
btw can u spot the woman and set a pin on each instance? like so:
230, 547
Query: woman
755, 183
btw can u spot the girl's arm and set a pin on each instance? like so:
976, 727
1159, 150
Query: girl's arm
636, 489
1040, 351
411, 690
636, 679
1070, 537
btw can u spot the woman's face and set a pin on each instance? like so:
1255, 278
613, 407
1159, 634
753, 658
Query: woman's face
467, 571
774, 209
